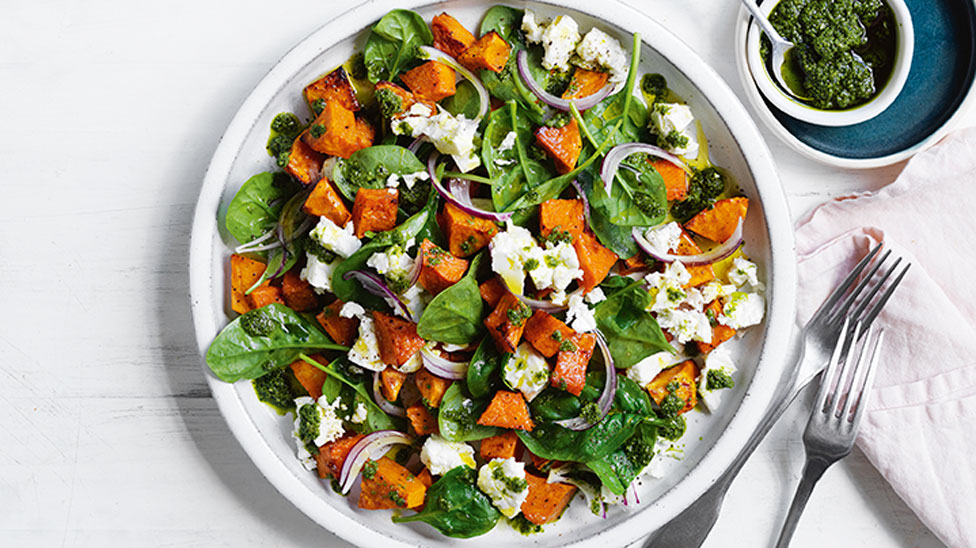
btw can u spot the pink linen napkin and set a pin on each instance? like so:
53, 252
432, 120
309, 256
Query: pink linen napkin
920, 430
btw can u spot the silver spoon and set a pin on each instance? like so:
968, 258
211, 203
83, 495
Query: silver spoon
780, 45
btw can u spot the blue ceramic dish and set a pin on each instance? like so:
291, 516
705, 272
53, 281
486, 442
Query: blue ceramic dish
939, 83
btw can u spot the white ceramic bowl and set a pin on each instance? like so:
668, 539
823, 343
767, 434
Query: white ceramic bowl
735, 143
802, 111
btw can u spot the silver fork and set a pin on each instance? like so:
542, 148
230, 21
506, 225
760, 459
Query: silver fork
690, 528
836, 415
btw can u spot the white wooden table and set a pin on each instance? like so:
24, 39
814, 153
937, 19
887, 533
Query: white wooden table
108, 435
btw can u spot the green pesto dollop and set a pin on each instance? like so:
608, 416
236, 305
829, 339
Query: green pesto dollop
844, 49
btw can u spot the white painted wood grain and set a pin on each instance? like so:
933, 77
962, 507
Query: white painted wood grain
108, 436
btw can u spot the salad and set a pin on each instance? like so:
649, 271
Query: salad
491, 272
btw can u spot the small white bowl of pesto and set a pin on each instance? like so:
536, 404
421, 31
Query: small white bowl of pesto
850, 61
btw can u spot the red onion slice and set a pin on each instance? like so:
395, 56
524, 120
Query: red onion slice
586, 201
606, 397
435, 54
375, 285
443, 367
418, 263
255, 244
522, 60
456, 202
617, 154
415, 145
537, 304
461, 189
727, 248
381, 400
377, 442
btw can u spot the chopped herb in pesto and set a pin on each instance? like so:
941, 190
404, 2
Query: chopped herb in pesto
591, 413
390, 103
316, 131
369, 469
844, 48
518, 315
716, 379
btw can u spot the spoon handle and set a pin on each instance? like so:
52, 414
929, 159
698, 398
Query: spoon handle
764, 23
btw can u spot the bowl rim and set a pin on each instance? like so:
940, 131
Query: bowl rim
905, 50
757, 158
764, 113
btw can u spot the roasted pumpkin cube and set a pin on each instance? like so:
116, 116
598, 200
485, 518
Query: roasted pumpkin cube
421, 420
450, 36
718, 222
333, 455
431, 81
397, 338
546, 501
425, 477
324, 201
490, 52
507, 322
466, 234
439, 269
265, 295
343, 331
374, 210
431, 387
507, 410
720, 332
547, 334
297, 293
675, 179
637, 263
333, 87
684, 374
562, 144
562, 216
585, 83
391, 381
304, 163
595, 260
387, 484
310, 377
244, 273
499, 446
699, 274
571, 364
337, 132
492, 291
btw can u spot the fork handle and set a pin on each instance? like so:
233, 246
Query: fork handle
812, 471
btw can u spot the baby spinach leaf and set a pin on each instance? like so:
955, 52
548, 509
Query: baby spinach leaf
457, 417
392, 44
371, 166
256, 206
456, 507
504, 20
551, 441
632, 333
615, 237
484, 370
454, 315
263, 340
637, 198
464, 101
618, 469
514, 172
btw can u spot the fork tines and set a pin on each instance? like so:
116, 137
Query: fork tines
849, 375
857, 301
